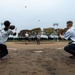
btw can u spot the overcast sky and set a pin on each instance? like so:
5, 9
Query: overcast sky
28, 14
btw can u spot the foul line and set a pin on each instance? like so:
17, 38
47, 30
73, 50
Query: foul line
61, 48
12, 48
37, 51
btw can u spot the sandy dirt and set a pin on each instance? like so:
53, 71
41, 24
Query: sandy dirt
48, 58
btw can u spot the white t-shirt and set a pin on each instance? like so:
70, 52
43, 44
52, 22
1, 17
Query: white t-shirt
4, 35
27, 35
70, 34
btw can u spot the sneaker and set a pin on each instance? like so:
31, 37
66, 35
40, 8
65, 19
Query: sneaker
72, 56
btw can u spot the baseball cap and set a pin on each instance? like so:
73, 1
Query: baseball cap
7, 23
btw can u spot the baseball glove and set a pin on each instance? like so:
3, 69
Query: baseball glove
12, 27
60, 31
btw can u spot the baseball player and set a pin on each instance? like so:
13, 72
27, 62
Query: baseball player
4, 34
70, 34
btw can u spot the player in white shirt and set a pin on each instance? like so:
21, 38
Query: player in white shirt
4, 34
70, 34
27, 37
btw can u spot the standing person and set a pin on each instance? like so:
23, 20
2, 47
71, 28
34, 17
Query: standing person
27, 37
38, 38
70, 34
4, 34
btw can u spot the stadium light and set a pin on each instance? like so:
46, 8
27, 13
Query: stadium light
55, 25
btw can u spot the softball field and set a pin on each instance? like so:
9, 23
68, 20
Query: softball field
48, 58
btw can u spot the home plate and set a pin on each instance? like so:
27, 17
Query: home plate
12, 48
38, 51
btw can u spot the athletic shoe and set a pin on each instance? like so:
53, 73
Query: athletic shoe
73, 57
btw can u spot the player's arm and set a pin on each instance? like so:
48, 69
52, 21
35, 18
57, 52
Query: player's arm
14, 33
12, 27
10, 32
61, 36
66, 36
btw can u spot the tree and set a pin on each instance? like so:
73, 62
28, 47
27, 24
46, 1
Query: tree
22, 33
48, 31
35, 31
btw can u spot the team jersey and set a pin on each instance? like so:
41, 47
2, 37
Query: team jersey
70, 34
4, 35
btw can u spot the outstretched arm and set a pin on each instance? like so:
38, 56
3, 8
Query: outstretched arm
15, 31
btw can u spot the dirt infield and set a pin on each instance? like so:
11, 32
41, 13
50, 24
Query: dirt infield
32, 59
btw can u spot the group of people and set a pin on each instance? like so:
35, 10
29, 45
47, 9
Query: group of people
4, 34
27, 38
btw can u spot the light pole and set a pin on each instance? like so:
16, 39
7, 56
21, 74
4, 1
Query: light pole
55, 25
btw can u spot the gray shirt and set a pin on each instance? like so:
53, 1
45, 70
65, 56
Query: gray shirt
38, 36
4, 35
70, 34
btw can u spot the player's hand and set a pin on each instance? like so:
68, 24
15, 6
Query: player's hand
12, 27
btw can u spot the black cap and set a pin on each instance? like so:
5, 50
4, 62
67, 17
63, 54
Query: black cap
7, 23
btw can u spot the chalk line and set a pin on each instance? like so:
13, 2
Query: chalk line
38, 51
61, 48
12, 48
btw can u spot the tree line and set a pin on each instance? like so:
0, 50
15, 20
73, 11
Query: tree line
45, 31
